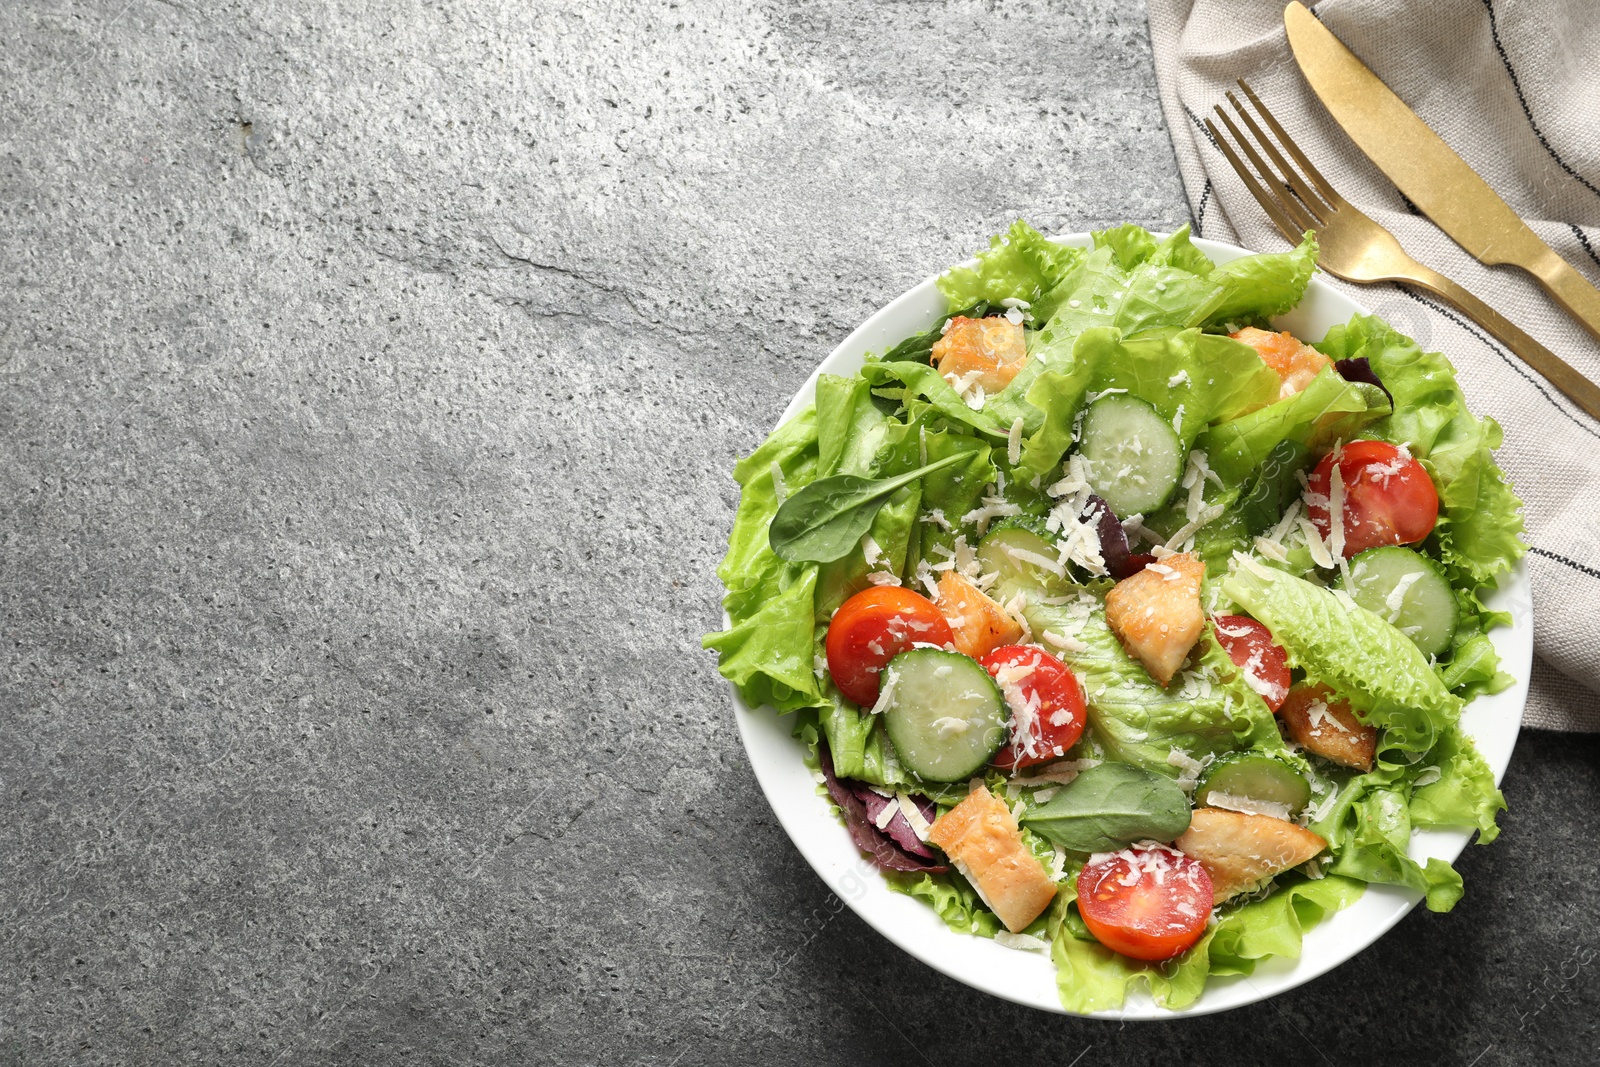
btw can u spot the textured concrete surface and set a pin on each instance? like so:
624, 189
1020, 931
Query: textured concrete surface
371, 373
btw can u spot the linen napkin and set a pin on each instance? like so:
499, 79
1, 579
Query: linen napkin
1513, 88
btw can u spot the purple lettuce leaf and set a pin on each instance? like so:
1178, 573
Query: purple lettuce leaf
886, 851
1360, 370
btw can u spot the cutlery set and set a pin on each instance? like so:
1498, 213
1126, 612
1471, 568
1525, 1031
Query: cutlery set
1296, 197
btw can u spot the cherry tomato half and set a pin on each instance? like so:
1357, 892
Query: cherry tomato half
1388, 497
1264, 663
872, 628
1047, 687
1150, 903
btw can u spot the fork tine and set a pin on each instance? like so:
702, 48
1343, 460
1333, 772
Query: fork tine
1314, 204
1323, 186
1280, 192
1268, 203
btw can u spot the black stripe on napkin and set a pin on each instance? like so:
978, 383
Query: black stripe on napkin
1516, 83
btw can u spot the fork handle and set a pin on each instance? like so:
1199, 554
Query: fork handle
1557, 371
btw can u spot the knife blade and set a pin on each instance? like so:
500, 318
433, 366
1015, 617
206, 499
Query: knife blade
1427, 170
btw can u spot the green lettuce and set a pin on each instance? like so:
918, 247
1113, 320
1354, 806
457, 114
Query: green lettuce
1359, 655
1462, 794
1255, 288
768, 647
1021, 265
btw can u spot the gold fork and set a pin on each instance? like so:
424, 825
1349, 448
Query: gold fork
1359, 250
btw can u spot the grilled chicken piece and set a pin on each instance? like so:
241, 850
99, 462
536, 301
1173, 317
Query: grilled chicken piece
993, 350
983, 843
1156, 613
1241, 851
1322, 723
1296, 363
978, 623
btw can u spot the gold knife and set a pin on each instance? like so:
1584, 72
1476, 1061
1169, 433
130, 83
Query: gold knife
1427, 170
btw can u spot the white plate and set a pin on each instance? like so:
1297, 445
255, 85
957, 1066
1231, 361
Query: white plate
1029, 977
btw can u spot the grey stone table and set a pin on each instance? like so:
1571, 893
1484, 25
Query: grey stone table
372, 372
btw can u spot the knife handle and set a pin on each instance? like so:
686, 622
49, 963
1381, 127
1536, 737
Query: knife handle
1557, 371
1571, 290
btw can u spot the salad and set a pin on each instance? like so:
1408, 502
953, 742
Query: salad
1119, 625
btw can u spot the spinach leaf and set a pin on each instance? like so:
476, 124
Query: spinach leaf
1109, 806
825, 520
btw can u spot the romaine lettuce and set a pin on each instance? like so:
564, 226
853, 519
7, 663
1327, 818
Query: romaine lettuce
1359, 655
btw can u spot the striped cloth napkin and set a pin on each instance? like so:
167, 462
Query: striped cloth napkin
1514, 89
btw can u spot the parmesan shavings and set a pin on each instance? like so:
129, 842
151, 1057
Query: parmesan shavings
886, 816
1022, 555
1397, 596
1014, 442
1189, 768
1249, 805
1319, 551
1061, 772
1336, 513
1025, 942
1181, 541
1181, 378
994, 507
887, 681
1064, 642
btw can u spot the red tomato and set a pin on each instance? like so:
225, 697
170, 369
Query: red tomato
1040, 682
1388, 497
1150, 903
1264, 663
872, 628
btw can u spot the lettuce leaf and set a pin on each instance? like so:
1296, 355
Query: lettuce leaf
904, 381
1361, 656
1464, 793
1253, 288
767, 649
1021, 265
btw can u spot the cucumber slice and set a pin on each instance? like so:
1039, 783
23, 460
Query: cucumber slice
1250, 775
1409, 590
1134, 457
943, 712
1013, 548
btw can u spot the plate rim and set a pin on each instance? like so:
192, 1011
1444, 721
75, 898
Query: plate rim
857, 882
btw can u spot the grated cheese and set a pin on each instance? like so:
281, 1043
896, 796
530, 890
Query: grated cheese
1397, 596
1024, 942
1179, 541
1248, 805
1336, 513
888, 680
1014, 442
1319, 551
